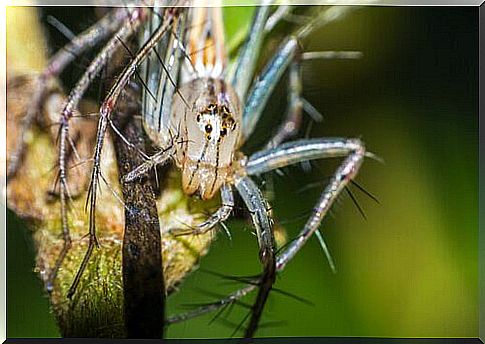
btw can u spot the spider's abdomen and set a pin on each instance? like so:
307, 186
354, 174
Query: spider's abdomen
206, 121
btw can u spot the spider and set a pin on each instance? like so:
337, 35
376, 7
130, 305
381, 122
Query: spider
200, 112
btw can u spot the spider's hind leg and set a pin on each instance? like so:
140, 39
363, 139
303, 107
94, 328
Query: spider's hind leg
80, 143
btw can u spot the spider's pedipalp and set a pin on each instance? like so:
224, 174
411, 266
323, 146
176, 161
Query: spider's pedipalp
218, 217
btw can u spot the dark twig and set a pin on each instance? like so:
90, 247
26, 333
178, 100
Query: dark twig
143, 283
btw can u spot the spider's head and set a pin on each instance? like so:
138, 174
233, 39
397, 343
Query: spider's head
217, 124
211, 132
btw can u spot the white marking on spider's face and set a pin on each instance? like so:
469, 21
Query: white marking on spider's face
210, 125
209, 132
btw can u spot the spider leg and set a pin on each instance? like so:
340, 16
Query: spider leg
231, 298
105, 112
65, 227
304, 150
281, 12
66, 114
291, 153
80, 145
296, 103
292, 121
264, 85
86, 40
220, 215
332, 54
257, 206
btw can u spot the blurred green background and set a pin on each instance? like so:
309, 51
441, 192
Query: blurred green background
411, 268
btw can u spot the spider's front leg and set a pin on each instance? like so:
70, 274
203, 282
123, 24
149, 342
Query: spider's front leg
293, 118
106, 110
57, 63
70, 106
256, 205
287, 56
305, 150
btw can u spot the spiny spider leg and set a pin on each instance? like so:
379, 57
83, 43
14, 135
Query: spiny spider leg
306, 150
287, 154
296, 103
257, 206
264, 85
281, 12
292, 121
161, 71
86, 40
72, 102
231, 298
105, 112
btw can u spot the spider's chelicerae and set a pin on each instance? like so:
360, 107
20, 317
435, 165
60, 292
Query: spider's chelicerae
199, 112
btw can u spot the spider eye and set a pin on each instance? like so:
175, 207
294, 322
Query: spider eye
223, 132
198, 118
231, 123
208, 128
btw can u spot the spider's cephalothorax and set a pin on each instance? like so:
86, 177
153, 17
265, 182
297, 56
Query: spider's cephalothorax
209, 133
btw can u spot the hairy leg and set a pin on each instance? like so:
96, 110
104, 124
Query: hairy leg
71, 105
352, 150
86, 40
292, 120
305, 150
105, 113
296, 103
264, 85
